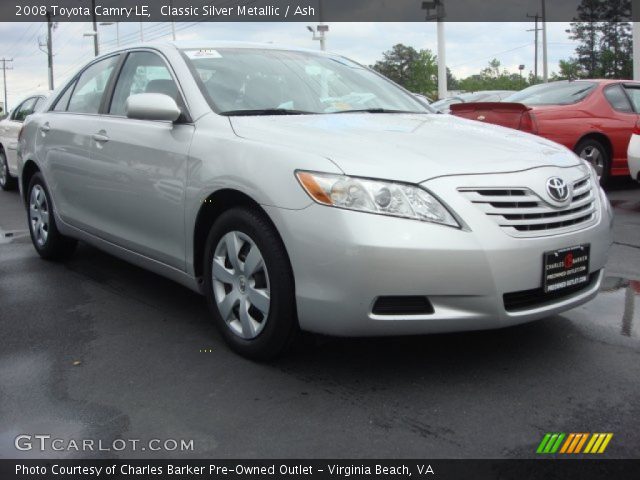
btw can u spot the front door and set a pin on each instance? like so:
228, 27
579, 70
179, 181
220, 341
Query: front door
140, 167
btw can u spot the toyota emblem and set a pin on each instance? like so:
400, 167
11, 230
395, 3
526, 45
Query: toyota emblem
558, 189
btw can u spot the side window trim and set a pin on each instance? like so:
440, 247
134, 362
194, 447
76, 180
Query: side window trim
182, 104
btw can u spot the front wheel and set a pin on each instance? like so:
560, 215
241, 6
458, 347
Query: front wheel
597, 155
249, 284
47, 240
7, 182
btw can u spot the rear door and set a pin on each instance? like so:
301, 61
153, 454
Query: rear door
66, 142
139, 167
624, 99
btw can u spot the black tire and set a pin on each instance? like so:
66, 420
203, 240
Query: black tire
56, 246
281, 325
586, 147
7, 182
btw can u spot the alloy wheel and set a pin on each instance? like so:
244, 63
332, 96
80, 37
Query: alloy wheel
39, 215
593, 155
241, 285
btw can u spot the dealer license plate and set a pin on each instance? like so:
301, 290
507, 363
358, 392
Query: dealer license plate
565, 268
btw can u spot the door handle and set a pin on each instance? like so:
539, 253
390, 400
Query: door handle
45, 127
100, 138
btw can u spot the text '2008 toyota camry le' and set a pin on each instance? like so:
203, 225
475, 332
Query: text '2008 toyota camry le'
299, 190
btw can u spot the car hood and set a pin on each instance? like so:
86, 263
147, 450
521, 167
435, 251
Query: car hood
406, 147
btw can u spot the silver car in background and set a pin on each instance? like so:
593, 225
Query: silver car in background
9, 128
299, 190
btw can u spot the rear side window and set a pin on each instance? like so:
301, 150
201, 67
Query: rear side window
63, 101
143, 72
25, 109
87, 95
618, 99
634, 95
556, 93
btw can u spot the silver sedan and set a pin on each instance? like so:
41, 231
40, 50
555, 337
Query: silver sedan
299, 190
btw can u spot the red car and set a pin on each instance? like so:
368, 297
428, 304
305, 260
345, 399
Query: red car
594, 118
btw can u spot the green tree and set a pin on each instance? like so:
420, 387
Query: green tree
604, 48
416, 70
493, 77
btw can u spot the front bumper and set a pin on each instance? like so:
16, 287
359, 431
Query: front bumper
344, 260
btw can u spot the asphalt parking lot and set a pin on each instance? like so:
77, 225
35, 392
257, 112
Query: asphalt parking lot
99, 349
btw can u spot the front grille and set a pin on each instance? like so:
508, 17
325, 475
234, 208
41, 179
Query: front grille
522, 213
527, 299
406, 305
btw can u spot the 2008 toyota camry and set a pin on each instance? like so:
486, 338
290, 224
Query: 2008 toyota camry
299, 190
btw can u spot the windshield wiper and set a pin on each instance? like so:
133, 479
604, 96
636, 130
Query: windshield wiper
264, 111
376, 110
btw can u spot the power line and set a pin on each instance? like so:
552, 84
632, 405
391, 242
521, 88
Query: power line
493, 55
24, 34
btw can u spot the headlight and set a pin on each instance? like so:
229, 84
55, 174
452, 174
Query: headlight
385, 198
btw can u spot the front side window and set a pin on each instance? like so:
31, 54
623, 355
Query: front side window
239, 79
617, 99
556, 93
143, 72
24, 109
87, 95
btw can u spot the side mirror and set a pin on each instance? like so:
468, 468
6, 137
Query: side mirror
152, 106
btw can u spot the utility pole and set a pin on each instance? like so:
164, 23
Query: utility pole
536, 17
438, 6
4, 79
636, 50
49, 50
545, 63
96, 47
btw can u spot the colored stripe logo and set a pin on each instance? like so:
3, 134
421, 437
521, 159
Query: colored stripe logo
574, 443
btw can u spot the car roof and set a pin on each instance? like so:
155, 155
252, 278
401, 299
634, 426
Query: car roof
213, 44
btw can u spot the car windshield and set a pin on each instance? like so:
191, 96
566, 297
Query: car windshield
558, 93
244, 81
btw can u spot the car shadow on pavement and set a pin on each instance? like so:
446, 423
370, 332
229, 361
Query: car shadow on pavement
520, 347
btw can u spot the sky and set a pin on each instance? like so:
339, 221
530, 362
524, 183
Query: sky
469, 46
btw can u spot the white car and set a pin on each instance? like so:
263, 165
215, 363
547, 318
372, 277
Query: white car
9, 129
633, 155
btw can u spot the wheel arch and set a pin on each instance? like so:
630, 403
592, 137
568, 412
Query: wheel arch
29, 169
600, 137
212, 207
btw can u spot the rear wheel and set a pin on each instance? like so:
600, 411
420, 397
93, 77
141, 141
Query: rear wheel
47, 240
249, 284
7, 182
596, 153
